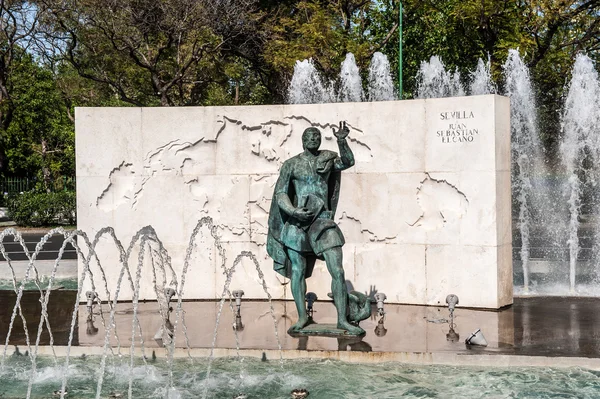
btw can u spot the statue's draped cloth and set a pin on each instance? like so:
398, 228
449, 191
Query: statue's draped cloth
309, 238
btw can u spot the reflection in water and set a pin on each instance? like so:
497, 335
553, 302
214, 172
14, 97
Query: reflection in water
380, 329
238, 325
452, 335
354, 344
557, 327
303, 342
60, 307
90, 329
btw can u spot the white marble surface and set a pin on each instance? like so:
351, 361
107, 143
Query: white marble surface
425, 211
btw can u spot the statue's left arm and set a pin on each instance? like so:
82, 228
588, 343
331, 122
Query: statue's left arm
280, 196
346, 158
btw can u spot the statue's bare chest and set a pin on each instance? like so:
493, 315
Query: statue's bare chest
305, 170
307, 180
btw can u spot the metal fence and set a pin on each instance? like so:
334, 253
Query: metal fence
12, 185
15, 185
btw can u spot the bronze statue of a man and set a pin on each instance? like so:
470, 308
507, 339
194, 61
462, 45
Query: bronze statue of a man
302, 228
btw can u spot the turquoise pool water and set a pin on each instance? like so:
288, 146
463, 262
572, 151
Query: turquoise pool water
62, 283
324, 379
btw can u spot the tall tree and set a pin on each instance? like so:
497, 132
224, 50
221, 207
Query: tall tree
40, 138
286, 31
18, 23
149, 52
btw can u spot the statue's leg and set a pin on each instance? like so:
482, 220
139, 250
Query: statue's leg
298, 284
334, 259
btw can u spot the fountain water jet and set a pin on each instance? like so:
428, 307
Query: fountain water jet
433, 81
580, 124
525, 146
350, 82
380, 84
238, 259
150, 251
481, 79
307, 87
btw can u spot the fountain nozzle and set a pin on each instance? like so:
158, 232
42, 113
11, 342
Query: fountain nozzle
310, 298
164, 335
452, 301
91, 297
380, 297
238, 325
238, 294
299, 393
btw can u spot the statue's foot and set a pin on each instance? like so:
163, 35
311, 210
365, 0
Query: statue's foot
351, 329
302, 322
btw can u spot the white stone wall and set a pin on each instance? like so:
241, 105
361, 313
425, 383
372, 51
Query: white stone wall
425, 211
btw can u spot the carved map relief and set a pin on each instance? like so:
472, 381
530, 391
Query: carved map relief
188, 161
241, 203
441, 203
261, 190
120, 189
390, 208
367, 230
268, 140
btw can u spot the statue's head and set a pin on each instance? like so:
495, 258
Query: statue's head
311, 138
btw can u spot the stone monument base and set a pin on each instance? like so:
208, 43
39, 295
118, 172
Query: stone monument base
425, 211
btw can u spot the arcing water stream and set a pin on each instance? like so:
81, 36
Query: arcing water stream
150, 250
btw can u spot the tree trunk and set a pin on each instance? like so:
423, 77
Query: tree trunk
45, 169
164, 99
2, 156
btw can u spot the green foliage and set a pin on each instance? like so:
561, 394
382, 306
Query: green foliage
242, 52
148, 53
42, 209
233, 83
322, 30
40, 135
548, 34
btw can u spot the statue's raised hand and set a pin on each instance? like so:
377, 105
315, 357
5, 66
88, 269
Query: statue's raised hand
342, 132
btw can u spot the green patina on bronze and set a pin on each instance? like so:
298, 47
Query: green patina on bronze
302, 229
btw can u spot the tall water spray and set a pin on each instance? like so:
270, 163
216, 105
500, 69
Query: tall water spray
580, 136
307, 87
481, 79
381, 85
433, 81
525, 147
351, 89
544, 201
